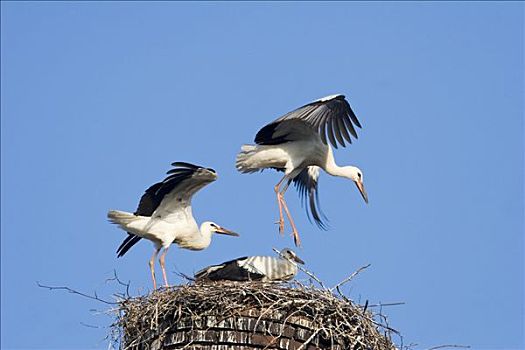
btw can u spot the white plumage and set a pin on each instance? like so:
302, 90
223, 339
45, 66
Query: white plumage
297, 144
254, 268
164, 215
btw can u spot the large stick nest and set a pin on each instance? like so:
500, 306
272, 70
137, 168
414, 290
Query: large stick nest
318, 317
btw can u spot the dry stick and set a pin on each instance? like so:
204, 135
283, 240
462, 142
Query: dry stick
89, 325
303, 346
115, 278
313, 276
387, 304
77, 292
450, 346
349, 278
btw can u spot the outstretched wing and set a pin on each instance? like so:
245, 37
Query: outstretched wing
306, 184
178, 188
172, 194
331, 117
279, 132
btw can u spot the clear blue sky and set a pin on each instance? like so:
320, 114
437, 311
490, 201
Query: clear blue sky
99, 98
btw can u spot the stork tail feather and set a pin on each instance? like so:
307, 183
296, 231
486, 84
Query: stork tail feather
121, 218
244, 162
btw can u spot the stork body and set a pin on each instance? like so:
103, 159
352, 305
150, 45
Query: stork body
164, 215
297, 144
254, 268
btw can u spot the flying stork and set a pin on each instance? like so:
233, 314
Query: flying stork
164, 215
254, 268
298, 143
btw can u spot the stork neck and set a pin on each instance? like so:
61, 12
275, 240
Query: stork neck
331, 167
201, 240
205, 235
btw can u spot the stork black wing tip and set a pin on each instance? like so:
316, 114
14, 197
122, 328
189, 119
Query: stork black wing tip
185, 165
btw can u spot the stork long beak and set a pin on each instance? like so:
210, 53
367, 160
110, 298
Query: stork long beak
298, 260
225, 231
362, 190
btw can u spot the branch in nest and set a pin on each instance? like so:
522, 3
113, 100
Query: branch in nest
349, 278
387, 304
116, 279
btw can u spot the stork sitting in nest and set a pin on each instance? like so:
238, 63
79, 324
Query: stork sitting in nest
254, 268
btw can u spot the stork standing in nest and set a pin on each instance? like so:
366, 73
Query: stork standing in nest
164, 215
297, 144
254, 268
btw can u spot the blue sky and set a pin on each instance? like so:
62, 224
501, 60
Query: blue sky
98, 99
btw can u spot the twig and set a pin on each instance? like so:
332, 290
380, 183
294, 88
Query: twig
346, 280
387, 304
449, 346
303, 346
313, 276
77, 292
115, 278
186, 277
89, 325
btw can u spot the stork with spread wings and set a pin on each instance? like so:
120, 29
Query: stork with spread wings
298, 143
164, 215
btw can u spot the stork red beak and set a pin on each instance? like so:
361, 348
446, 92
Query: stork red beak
362, 190
225, 231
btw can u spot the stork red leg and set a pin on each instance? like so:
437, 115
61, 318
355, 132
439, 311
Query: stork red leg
152, 267
295, 234
282, 202
279, 201
162, 266
281, 217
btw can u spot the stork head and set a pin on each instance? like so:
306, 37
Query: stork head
356, 175
209, 227
289, 254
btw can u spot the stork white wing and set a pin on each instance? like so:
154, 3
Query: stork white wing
179, 187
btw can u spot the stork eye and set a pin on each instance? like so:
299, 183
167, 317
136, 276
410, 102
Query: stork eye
359, 175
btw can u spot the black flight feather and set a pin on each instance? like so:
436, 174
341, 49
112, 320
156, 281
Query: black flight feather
307, 186
332, 118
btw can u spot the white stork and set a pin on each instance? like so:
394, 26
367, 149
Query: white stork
164, 215
254, 268
296, 144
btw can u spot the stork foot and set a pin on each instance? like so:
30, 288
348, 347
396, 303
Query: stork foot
281, 226
296, 238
